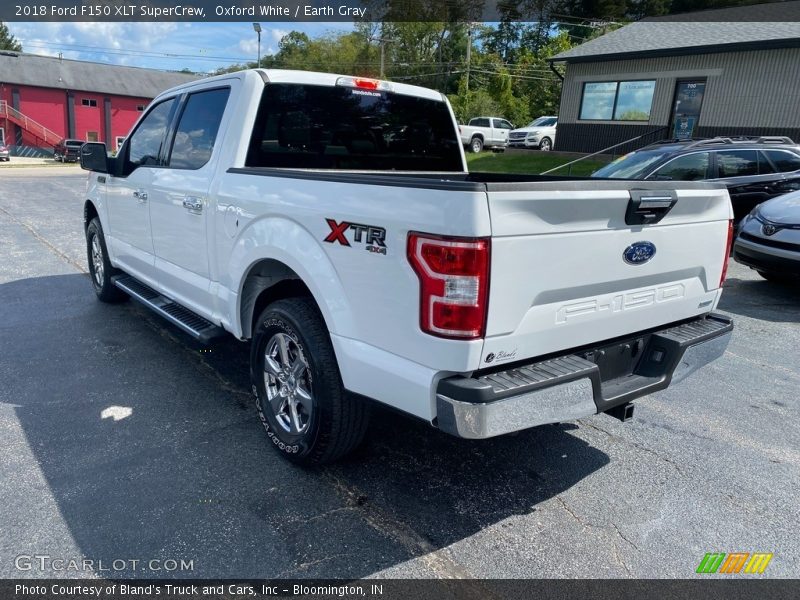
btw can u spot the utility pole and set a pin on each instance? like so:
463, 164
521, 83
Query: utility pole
257, 29
383, 41
469, 51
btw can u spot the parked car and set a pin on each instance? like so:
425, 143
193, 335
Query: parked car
753, 169
769, 239
485, 132
4, 152
540, 133
68, 150
331, 221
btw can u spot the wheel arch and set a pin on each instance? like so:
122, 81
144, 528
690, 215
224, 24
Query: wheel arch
276, 250
266, 281
89, 212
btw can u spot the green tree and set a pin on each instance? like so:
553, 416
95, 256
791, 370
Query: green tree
7, 40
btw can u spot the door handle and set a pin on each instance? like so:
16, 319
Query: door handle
140, 195
193, 204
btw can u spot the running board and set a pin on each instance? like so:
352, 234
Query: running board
196, 326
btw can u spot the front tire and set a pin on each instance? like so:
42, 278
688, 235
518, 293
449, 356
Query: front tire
301, 401
100, 269
546, 145
476, 145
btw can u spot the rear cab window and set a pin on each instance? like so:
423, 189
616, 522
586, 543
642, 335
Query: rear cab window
302, 126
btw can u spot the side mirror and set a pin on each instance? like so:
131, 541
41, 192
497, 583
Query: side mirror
94, 157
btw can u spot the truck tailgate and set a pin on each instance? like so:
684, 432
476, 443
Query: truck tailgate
559, 276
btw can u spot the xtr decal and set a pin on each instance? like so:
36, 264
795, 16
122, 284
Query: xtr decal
374, 237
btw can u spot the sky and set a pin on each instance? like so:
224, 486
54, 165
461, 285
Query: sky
201, 47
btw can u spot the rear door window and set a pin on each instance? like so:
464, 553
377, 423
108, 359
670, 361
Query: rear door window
198, 128
323, 127
784, 160
690, 167
737, 163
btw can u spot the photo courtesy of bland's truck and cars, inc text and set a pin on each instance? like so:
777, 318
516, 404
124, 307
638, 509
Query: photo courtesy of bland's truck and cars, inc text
399, 299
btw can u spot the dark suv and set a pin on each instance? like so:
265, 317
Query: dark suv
753, 169
68, 150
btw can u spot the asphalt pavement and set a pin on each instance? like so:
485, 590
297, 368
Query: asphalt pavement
121, 439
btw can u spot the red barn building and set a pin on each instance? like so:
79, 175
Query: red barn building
45, 99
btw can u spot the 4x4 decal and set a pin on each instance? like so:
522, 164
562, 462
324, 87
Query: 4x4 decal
375, 236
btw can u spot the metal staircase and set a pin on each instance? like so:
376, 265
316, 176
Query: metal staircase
42, 133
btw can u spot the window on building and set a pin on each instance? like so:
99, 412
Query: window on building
312, 126
119, 141
784, 160
92, 136
140, 107
145, 145
89, 102
634, 99
690, 167
197, 129
617, 100
737, 163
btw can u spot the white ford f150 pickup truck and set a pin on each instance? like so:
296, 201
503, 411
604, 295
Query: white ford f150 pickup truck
332, 222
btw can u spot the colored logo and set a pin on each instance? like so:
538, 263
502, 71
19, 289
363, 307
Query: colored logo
639, 253
735, 562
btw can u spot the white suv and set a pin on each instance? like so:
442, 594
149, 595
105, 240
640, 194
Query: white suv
540, 133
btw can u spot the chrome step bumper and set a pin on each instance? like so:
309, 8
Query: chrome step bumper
572, 386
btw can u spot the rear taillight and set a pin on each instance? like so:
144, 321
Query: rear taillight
727, 253
454, 284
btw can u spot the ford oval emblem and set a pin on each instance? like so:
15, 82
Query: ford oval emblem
639, 253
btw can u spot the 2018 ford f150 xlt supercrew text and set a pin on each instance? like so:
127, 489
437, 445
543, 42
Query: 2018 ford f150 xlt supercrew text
331, 221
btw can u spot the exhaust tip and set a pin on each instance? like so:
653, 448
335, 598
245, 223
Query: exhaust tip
623, 412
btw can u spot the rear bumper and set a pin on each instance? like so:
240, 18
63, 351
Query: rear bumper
572, 385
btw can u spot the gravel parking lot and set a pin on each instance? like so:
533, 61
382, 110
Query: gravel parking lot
122, 439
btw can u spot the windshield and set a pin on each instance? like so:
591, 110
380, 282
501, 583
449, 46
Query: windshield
542, 122
630, 166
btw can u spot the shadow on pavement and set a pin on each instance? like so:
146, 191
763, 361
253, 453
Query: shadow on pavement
762, 299
151, 449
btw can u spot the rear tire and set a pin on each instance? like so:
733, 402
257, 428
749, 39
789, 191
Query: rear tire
476, 145
301, 401
100, 269
546, 144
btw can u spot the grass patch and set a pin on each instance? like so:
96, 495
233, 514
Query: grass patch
531, 162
